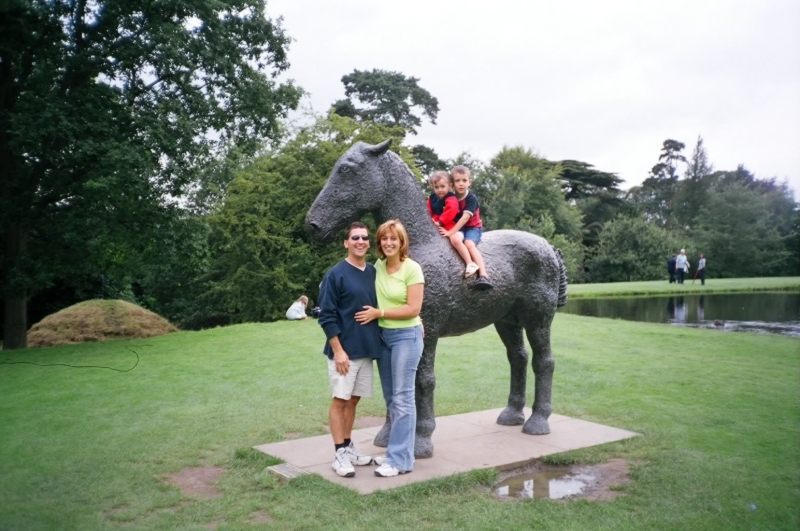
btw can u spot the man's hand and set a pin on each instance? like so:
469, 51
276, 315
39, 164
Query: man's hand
367, 315
342, 361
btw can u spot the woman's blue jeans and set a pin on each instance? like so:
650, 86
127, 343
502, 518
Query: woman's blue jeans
397, 368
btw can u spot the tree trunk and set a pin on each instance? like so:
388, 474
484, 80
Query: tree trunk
16, 302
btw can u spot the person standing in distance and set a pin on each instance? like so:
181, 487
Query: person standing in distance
681, 265
701, 269
346, 289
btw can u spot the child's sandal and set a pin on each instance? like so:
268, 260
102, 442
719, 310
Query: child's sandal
471, 269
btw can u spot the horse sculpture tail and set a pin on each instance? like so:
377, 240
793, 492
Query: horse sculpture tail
562, 279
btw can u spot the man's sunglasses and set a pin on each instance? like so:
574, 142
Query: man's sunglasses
362, 238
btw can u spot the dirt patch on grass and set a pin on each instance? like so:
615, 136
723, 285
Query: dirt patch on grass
260, 517
110, 513
293, 434
598, 482
197, 482
97, 320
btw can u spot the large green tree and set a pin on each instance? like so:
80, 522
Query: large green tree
691, 194
262, 257
631, 248
390, 98
749, 230
518, 187
107, 110
654, 198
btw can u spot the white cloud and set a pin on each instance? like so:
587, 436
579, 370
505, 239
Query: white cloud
604, 82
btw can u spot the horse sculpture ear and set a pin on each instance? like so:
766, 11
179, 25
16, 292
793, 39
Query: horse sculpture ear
379, 149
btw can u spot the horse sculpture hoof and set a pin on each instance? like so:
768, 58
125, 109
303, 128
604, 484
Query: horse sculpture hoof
382, 439
511, 417
536, 425
423, 447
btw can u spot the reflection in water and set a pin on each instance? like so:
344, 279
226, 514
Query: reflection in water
751, 312
550, 484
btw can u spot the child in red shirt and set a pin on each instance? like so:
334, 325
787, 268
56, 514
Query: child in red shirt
443, 208
469, 227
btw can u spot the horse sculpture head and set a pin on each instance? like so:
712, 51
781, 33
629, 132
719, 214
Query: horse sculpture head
356, 186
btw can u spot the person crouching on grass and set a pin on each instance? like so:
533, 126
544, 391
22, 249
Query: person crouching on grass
350, 347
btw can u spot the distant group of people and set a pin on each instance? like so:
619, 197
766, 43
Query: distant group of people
678, 268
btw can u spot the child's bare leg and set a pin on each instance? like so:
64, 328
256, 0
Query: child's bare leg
476, 257
457, 241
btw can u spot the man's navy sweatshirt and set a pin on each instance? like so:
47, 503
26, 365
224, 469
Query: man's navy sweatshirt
346, 290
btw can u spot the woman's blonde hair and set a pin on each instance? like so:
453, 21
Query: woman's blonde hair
393, 226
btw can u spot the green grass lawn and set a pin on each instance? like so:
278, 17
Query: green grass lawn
83, 449
659, 287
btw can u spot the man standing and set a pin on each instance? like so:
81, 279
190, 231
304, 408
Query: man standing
671, 269
681, 265
346, 289
701, 269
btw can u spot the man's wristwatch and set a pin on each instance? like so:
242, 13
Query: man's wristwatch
383, 313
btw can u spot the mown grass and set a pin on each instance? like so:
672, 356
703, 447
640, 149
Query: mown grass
662, 287
84, 449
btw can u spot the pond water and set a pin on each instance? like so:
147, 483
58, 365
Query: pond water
777, 313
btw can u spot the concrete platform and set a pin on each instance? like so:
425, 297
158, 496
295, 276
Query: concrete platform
464, 442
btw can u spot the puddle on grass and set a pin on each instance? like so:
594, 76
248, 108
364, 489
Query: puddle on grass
551, 482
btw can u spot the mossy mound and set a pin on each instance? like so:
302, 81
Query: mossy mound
97, 320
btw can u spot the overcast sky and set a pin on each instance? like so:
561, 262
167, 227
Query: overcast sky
604, 82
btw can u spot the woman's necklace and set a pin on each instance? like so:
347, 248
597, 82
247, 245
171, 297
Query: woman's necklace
391, 269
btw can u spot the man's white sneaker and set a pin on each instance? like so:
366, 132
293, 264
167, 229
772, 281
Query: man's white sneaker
380, 459
356, 458
341, 464
388, 471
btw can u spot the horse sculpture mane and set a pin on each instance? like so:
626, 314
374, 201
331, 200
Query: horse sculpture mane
528, 275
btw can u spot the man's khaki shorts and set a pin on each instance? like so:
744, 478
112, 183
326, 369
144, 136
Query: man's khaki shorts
357, 381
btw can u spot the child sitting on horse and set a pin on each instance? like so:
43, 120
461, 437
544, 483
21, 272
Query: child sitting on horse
443, 208
468, 227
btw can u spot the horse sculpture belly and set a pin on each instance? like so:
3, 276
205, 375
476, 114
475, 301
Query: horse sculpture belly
528, 275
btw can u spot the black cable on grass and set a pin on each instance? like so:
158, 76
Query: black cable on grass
76, 366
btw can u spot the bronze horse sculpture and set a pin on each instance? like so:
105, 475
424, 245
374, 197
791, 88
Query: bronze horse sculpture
528, 275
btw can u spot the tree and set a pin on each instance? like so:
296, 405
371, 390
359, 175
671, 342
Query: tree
596, 194
519, 187
691, 192
631, 249
746, 232
581, 180
110, 107
427, 160
262, 258
387, 98
654, 198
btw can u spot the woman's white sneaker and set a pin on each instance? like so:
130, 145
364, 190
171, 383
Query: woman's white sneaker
388, 471
341, 464
380, 459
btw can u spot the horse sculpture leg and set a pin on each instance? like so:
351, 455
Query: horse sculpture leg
543, 365
426, 383
511, 335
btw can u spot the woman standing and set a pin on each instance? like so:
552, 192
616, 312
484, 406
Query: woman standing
399, 284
